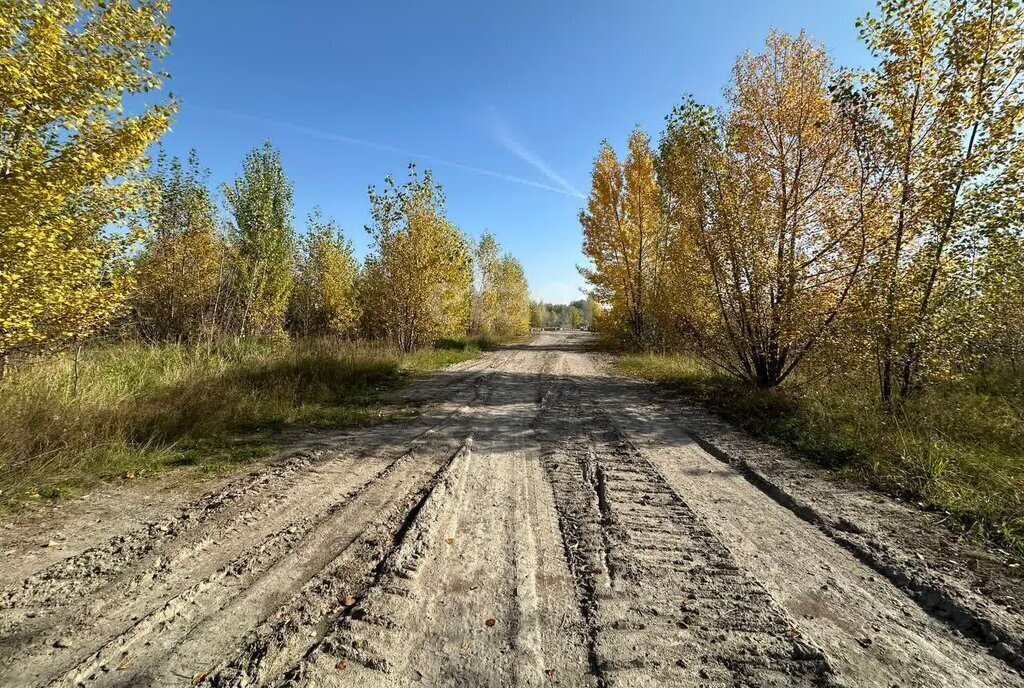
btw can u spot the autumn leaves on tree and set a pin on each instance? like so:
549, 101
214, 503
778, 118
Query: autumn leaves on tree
829, 217
72, 160
419, 279
95, 237
501, 305
183, 264
259, 277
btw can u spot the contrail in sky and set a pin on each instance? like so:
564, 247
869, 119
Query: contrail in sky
341, 138
515, 146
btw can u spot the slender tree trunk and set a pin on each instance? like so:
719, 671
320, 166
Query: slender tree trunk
890, 305
76, 369
914, 350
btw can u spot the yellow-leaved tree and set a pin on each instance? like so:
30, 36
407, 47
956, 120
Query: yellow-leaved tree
774, 201
324, 299
71, 159
501, 299
625, 238
418, 279
179, 274
513, 298
945, 111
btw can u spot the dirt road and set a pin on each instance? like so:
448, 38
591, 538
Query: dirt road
541, 523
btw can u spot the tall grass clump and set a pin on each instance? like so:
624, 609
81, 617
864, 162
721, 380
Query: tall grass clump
958, 448
129, 407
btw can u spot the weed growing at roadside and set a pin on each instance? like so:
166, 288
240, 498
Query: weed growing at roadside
145, 409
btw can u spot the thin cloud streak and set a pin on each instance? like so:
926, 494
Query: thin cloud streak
387, 148
512, 144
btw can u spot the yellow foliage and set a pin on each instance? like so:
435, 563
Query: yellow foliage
945, 114
502, 298
625, 237
871, 217
324, 299
418, 281
70, 159
745, 238
179, 275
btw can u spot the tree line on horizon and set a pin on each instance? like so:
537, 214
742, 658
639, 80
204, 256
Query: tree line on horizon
577, 314
73, 165
829, 219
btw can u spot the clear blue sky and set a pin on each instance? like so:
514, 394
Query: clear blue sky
506, 102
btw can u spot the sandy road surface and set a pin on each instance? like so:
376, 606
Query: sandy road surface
541, 523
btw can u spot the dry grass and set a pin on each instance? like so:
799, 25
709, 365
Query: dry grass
959, 448
142, 408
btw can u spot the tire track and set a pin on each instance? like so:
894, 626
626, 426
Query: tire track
361, 634
146, 580
485, 600
247, 585
89, 571
664, 601
315, 617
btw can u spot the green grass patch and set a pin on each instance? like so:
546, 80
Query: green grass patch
143, 409
958, 448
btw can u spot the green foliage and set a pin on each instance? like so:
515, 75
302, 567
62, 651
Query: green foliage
999, 303
324, 300
264, 242
576, 314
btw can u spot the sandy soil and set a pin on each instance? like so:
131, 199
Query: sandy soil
542, 522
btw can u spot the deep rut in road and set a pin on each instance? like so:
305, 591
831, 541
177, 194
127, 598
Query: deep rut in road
664, 602
150, 607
